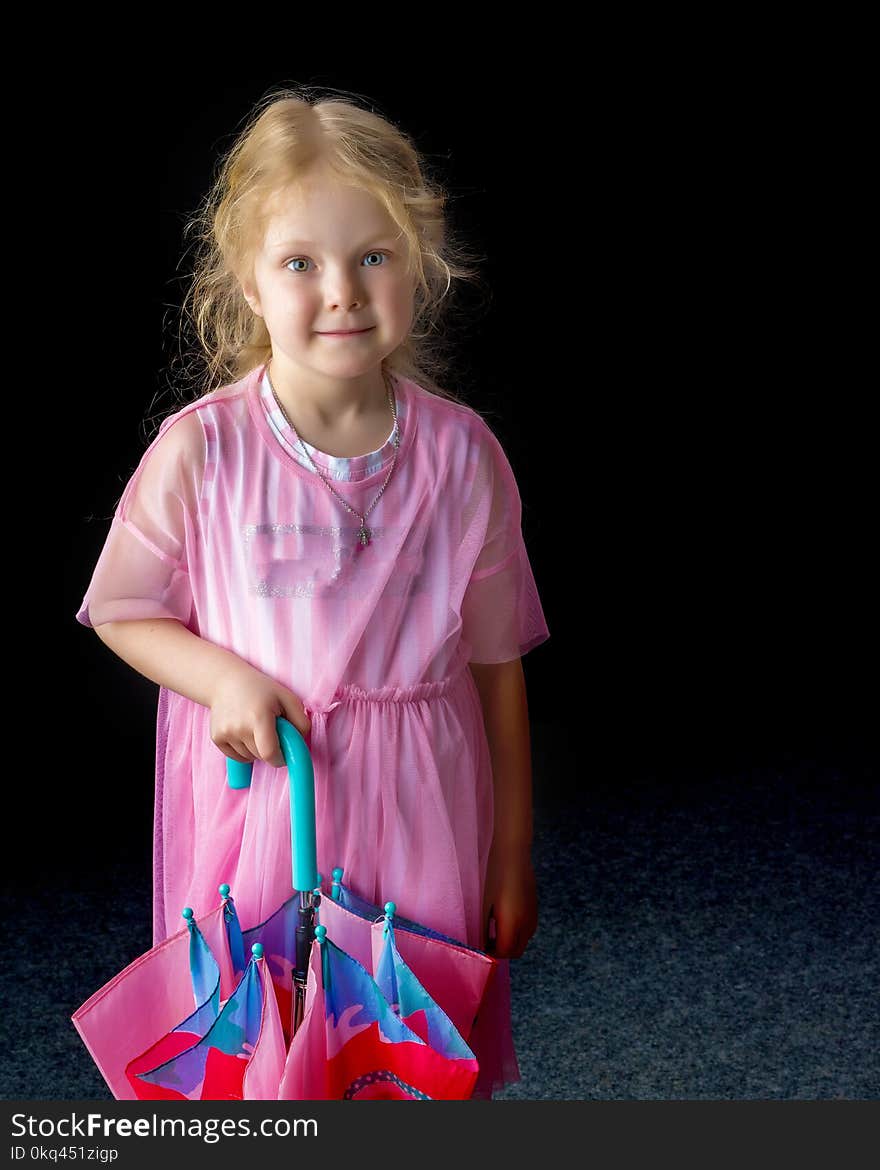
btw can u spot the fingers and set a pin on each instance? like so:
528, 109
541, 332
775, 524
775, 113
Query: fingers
267, 743
245, 707
246, 747
517, 947
294, 712
509, 937
506, 940
263, 743
236, 752
512, 950
488, 929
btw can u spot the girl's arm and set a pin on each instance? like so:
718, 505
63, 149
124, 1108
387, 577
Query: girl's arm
510, 895
244, 702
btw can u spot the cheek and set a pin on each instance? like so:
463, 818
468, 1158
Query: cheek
291, 306
401, 302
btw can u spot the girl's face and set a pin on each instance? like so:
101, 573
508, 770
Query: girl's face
332, 259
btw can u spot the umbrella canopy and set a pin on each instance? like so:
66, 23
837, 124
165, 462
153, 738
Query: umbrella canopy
338, 1000
155, 996
243, 1042
356, 1043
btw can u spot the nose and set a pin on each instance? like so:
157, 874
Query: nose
342, 291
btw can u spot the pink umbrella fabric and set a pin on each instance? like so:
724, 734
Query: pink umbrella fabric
148, 999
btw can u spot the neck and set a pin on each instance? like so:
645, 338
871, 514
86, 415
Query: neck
327, 404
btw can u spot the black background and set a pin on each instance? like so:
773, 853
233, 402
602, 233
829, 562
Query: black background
669, 369
675, 359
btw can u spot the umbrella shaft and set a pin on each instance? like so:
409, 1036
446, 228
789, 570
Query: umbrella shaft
299, 1000
305, 932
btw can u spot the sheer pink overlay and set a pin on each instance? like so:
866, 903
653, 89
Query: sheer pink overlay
221, 529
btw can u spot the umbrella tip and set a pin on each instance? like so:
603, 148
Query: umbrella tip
187, 913
223, 890
320, 934
257, 950
390, 909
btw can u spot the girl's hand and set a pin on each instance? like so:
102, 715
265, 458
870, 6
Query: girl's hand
244, 706
511, 899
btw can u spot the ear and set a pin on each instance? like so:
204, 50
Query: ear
249, 293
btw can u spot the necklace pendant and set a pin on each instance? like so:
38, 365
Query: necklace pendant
364, 535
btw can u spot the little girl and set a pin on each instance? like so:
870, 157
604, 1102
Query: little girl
325, 537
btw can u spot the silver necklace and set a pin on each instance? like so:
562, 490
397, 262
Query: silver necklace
364, 534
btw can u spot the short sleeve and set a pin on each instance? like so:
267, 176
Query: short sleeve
142, 571
501, 612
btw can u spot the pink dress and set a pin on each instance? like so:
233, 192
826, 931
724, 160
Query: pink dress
224, 527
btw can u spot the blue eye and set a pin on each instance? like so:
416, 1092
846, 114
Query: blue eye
305, 260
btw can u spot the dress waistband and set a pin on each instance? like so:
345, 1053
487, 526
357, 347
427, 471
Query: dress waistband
349, 693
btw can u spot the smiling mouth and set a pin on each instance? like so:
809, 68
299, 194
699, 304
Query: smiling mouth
344, 332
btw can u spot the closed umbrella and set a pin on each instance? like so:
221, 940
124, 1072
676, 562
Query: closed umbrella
337, 998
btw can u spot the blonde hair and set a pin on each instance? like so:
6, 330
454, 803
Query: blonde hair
286, 135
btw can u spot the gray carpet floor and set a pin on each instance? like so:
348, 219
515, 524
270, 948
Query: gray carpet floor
712, 934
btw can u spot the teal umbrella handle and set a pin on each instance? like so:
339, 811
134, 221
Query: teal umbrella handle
303, 846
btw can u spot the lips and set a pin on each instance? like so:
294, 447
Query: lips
343, 332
